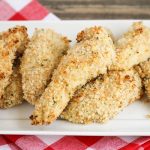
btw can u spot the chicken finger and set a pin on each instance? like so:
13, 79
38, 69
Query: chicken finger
87, 59
11, 42
132, 48
102, 99
40, 59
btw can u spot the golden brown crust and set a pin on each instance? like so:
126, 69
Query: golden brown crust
41, 57
102, 99
11, 42
86, 60
133, 48
88, 34
16, 37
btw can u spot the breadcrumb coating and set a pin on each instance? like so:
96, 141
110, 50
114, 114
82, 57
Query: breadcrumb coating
144, 71
102, 99
13, 92
87, 59
132, 48
11, 42
39, 61
88, 34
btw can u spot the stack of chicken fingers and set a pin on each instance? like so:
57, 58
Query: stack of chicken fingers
89, 82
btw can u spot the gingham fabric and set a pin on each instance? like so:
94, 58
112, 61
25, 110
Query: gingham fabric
24, 10
33, 10
32, 142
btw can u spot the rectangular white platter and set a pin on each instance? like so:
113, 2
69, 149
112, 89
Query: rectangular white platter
131, 121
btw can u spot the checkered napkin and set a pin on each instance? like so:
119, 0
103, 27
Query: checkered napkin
24, 10
28, 142
33, 10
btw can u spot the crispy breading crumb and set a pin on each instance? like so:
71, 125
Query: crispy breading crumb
86, 34
41, 57
132, 48
85, 61
102, 99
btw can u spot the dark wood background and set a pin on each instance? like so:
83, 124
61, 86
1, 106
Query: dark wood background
99, 9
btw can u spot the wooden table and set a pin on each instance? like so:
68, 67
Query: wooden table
99, 9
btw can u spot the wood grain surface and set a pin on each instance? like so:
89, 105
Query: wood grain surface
99, 9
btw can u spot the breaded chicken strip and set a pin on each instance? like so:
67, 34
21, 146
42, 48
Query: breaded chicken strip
86, 60
102, 99
133, 47
11, 42
144, 71
13, 94
40, 59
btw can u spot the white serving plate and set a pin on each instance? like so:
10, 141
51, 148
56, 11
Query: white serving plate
131, 121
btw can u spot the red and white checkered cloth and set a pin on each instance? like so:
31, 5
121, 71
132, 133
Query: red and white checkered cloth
32, 142
24, 10
33, 10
